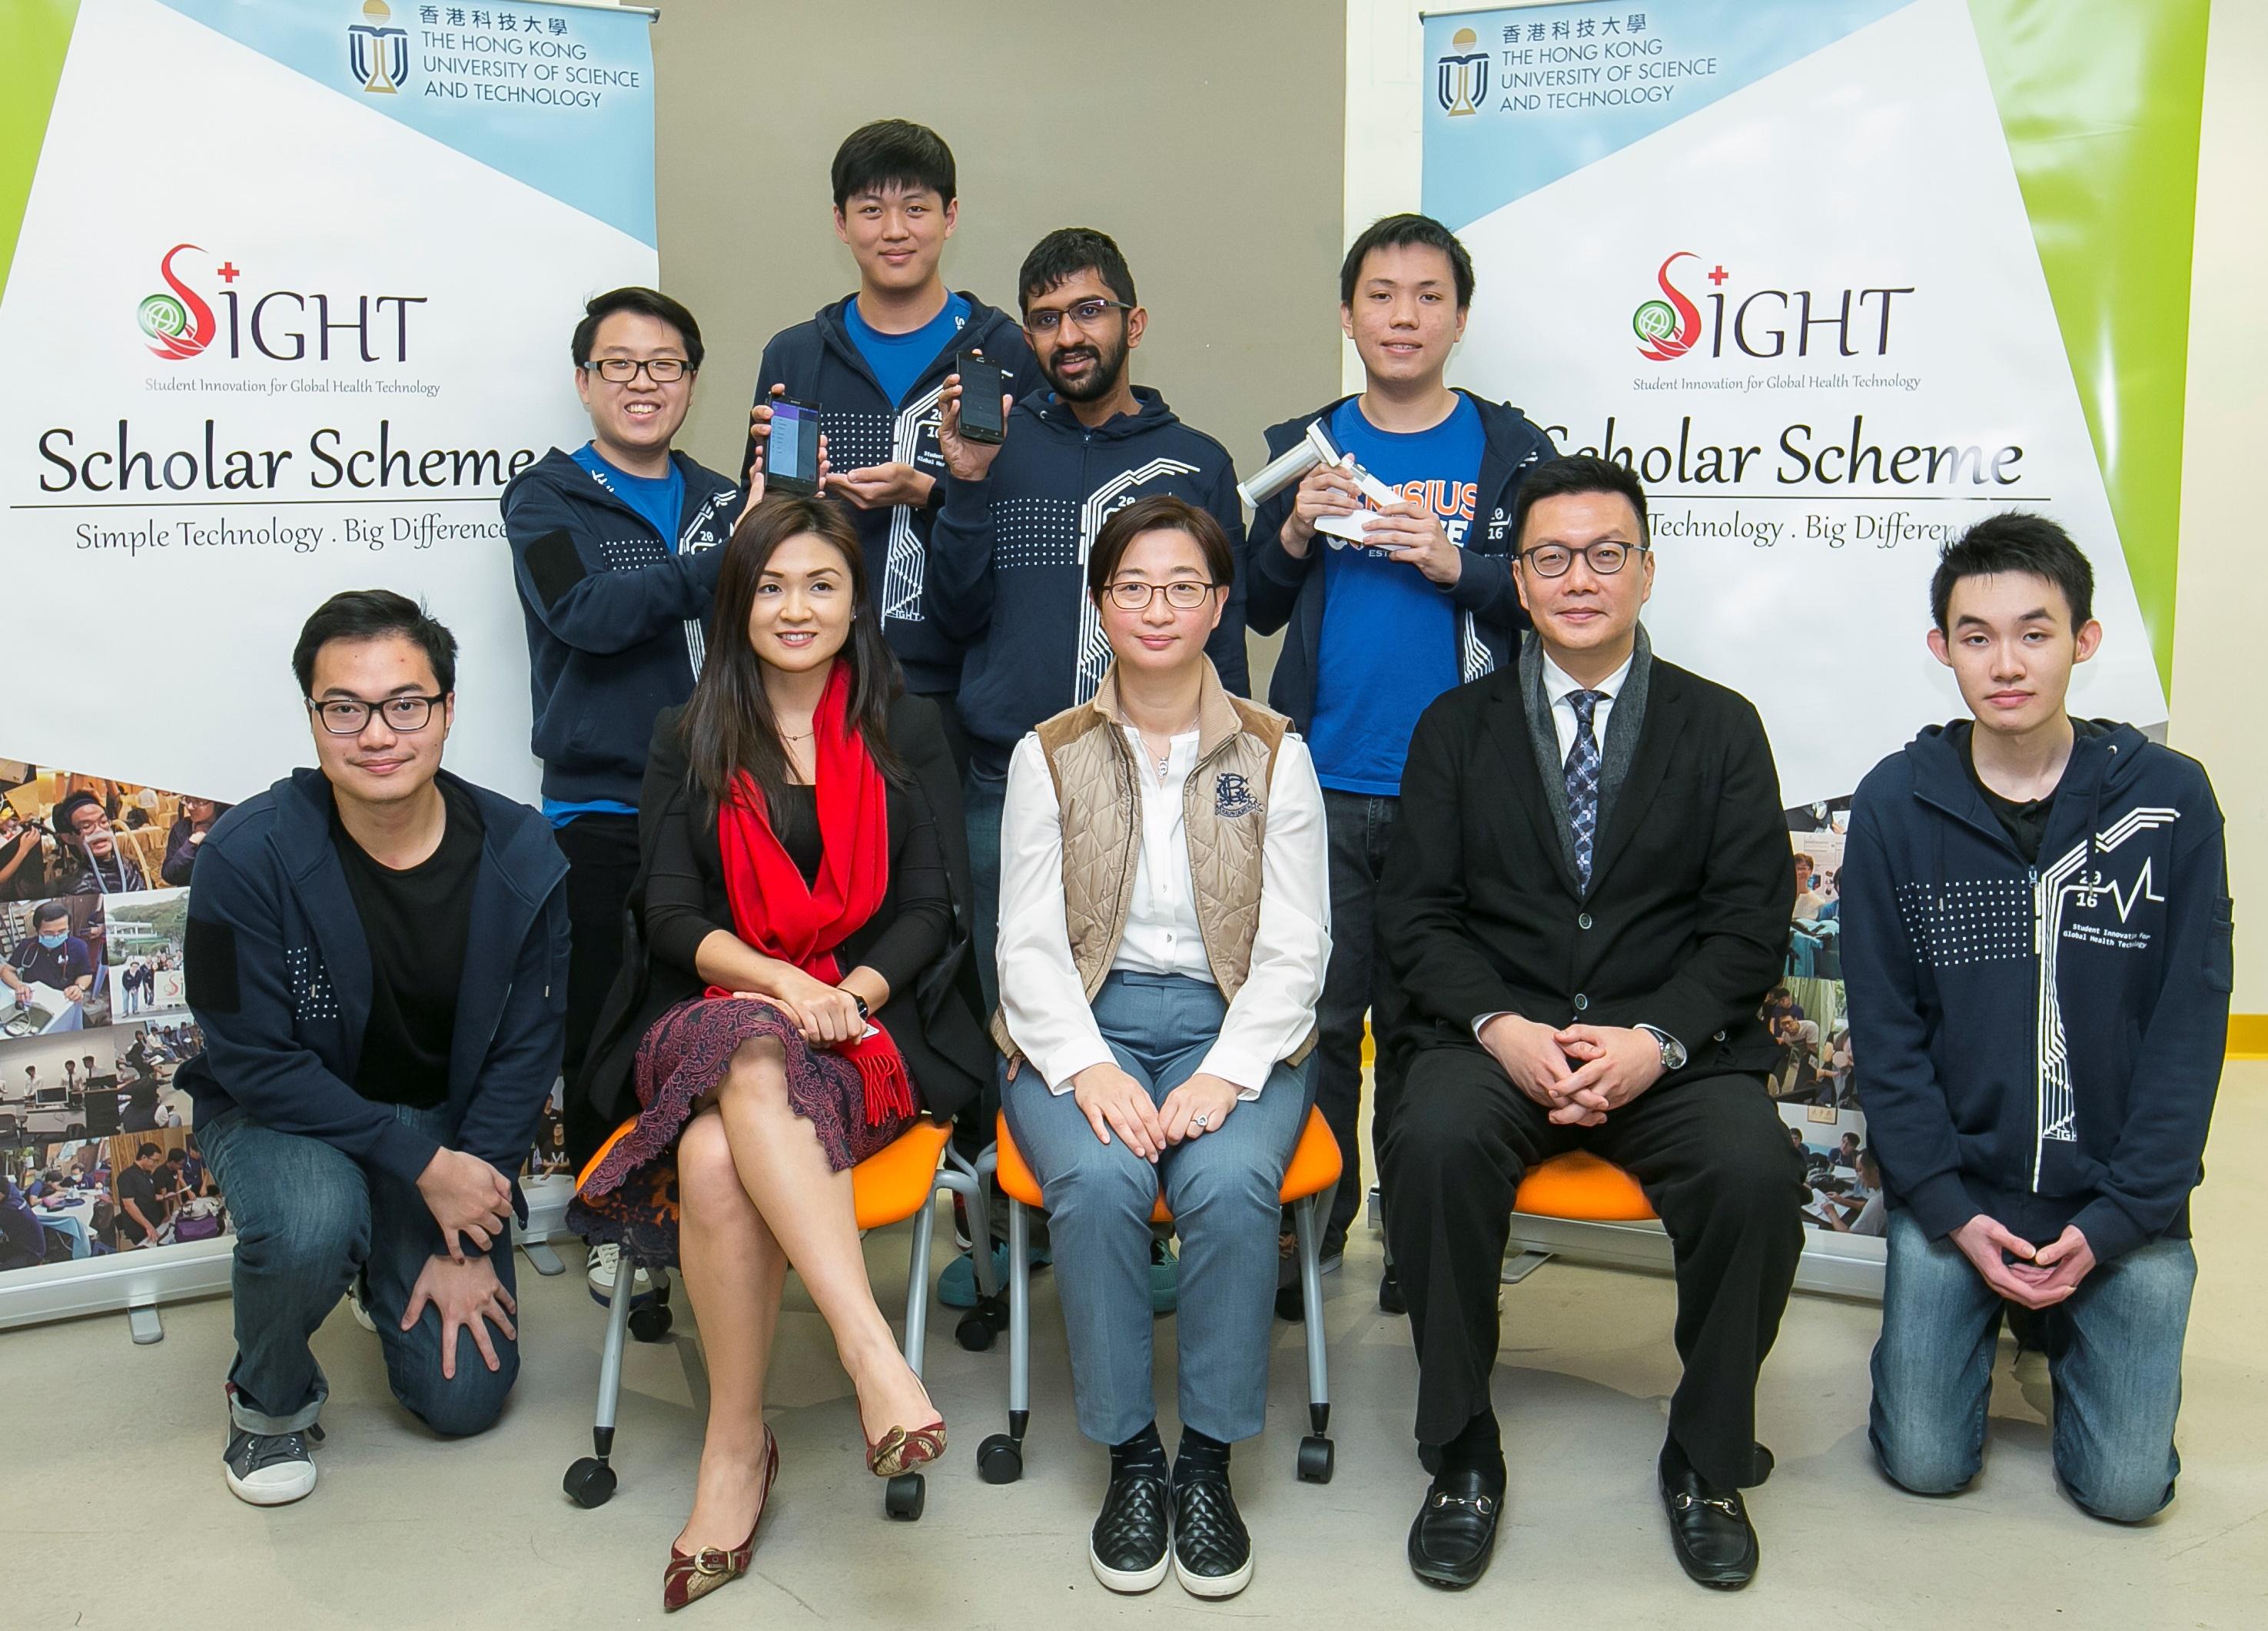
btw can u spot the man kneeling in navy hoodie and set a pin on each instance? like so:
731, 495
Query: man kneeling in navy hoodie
377, 955
2037, 944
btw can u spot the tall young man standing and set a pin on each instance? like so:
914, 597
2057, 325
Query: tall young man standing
378, 956
874, 362
1374, 631
1008, 557
2037, 944
615, 551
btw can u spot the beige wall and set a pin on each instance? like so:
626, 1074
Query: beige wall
1205, 137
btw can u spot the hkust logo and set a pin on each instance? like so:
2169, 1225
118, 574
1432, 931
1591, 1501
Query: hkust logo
377, 51
1760, 323
1461, 76
274, 325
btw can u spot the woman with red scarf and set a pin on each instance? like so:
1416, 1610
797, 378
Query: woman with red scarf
802, 992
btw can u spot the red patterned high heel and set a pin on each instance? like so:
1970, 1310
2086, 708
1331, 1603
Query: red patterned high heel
902, 1450
688, 1578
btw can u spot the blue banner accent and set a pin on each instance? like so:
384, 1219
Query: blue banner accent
1519, 98
561, 98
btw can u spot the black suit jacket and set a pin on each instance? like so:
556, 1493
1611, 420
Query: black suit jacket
1684, 926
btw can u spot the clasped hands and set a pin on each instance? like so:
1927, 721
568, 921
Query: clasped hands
1113, 1101
1578, 1073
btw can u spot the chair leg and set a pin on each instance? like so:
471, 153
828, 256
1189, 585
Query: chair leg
1000, 1458
590, 1481
917, 1285
1315, 1452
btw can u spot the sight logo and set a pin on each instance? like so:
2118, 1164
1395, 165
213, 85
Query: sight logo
272, 325
1761, 323
180, 324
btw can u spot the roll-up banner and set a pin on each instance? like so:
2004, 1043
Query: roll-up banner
1838, 279
288, 289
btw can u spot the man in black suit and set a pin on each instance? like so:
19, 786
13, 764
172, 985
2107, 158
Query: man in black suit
1585, 905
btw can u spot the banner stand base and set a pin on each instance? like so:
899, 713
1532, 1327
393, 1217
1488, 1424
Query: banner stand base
1839, 1266
142, 1322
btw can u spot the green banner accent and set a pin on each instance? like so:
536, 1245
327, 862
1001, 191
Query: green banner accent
34, 34
2101, 101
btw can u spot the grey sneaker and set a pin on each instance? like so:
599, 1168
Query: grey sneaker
359, 1304
269, 1469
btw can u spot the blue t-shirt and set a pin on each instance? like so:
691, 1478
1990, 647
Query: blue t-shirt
1389, 642
899, 360
660, 501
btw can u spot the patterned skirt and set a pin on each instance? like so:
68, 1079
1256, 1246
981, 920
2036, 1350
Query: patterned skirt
631, 1197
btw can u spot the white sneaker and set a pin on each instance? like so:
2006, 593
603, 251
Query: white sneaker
605, 1262
360, 1309
269, 1470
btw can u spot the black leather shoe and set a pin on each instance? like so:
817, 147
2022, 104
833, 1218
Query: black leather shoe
1454, 1535
1390, 1300
1130, 1546
1709, 1528
1213, 1552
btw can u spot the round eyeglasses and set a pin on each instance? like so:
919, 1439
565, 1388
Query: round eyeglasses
1604, 558
1182, 594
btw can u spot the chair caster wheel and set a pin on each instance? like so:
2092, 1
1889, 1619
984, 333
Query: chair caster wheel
904, 1496
652, 1322
590, 1482
1316, 1458
999, 1459
974, 1332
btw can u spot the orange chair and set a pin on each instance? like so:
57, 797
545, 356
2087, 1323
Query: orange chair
1581, 1187
1315, 1168
888, 1187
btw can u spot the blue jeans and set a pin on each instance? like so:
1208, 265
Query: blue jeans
983, 799
1223, 1189
307, 1218
2113, 1352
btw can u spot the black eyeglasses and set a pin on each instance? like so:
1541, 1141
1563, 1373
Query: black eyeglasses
1182, 594
623, 370
1085, 314
1604, 558
346, 716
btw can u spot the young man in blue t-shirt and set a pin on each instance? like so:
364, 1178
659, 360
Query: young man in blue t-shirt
1374, 630
615, 550
873, 363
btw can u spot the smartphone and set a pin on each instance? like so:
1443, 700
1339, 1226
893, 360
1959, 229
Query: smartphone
982, 384
792, 455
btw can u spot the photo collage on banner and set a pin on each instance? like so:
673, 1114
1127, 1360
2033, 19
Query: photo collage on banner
94, 1020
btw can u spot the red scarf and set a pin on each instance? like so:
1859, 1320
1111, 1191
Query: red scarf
778, 914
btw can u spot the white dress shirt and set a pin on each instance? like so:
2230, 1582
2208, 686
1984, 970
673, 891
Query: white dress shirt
1558, 683
1040, 995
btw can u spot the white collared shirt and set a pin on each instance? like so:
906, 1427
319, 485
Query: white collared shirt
1041, 993
1557, 682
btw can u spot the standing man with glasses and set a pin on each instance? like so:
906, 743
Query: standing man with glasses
1585, 905
1007, 568
614, 551
1374, 632
377, 955
875, 361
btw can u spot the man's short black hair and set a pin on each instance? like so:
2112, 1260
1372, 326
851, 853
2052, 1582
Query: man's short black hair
1577, 473
370, 614
49, 911
1066, 252
892, 152
646, 303
2016, 541
67, 808
147, 1150
1403, 231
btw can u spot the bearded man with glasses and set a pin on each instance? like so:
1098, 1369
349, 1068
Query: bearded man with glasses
1585, 902
377, 955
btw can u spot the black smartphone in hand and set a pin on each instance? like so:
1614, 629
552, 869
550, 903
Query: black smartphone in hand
982, 384
791, 452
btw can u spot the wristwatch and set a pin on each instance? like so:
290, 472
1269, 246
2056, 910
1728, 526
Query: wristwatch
1673, 1051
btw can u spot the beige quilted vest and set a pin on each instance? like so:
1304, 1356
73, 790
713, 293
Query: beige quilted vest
1224, 814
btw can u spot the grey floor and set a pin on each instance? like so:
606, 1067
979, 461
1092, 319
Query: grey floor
112, 1512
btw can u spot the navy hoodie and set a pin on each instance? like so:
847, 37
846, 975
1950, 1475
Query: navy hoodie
1007, 568
616, 620
279, 978
819, 362
2041, 1041
1287, 592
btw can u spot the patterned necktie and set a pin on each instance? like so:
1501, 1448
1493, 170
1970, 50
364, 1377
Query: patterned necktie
1582, 773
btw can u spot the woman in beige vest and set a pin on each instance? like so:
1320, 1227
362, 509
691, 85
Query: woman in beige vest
1164, 927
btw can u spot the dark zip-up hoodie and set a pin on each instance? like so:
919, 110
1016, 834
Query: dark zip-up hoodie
1287, 591
819, 362
616, 620
279, 978
2040, 1042
1007, 570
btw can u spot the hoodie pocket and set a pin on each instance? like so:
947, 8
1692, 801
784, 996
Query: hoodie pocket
2220, 947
